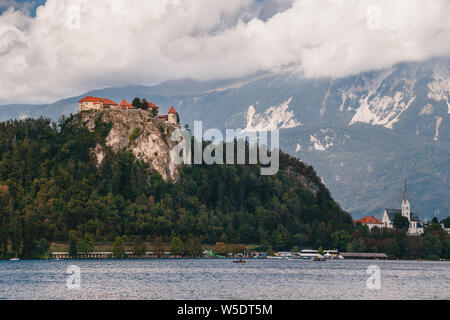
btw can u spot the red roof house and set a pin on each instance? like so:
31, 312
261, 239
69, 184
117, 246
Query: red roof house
370, 222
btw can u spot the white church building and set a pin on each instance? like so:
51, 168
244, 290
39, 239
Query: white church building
415, 224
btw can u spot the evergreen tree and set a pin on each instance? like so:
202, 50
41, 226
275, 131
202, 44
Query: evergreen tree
73, 248
144, 104
87, 244
118, 248
136, 103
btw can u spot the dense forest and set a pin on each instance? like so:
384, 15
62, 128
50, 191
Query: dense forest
52, 190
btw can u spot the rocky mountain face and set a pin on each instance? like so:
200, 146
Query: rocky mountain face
147, 137
364, 134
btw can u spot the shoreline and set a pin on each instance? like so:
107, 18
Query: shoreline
215, 258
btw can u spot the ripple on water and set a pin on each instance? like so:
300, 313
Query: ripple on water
221, 279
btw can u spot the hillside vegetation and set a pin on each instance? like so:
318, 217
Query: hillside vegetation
51, 189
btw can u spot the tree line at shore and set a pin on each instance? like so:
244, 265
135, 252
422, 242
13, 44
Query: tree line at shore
51, 190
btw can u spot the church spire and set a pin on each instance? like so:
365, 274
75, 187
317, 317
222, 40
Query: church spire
405, 193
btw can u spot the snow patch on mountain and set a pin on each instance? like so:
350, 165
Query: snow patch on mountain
438, 124
383, 111
318, 145
439, 89
276, 117
380, 109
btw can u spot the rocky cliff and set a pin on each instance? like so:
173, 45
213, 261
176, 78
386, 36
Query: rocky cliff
147, 137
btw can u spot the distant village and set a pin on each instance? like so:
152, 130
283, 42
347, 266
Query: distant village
96, 103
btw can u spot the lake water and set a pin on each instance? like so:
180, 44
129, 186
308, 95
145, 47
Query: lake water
222, 279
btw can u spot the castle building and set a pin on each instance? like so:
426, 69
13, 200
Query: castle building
94, 103
415, 224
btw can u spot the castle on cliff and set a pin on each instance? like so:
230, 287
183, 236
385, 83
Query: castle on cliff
95, 103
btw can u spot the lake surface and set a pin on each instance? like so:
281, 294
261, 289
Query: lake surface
222, 279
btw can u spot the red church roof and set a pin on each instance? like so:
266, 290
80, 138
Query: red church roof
371, 220
152, 105
172, 110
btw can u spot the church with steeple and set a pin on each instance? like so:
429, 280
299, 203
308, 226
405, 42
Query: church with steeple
415, 224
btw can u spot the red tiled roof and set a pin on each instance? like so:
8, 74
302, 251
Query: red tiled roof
97, 100
370, 219
152, 105
172, 110
124, 104
107, 101
89, 99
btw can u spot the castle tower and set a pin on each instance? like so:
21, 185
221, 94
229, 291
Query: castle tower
172, 116
406, 209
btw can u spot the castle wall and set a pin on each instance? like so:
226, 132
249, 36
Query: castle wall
83, 106
172, 118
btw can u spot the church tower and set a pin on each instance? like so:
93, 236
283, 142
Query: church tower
173, 116
406, 209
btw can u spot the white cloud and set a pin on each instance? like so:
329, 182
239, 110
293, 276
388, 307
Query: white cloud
121, 42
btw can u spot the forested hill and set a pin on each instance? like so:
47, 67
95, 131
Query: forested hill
52, 189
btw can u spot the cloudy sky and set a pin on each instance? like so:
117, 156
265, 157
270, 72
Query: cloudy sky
59, 48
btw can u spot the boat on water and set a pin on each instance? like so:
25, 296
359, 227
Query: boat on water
14, 259
239, 261
318, 259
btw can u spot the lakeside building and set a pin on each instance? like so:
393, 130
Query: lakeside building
370, 222
415, 223
364, 255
